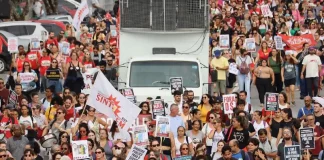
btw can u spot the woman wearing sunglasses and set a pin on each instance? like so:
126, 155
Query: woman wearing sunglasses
100, 154
27, 78
54, 74
184, 150
59, 124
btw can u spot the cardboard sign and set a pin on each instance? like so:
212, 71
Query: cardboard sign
176, 84
13, 97
271, 101
140, 135
278, 43
162, 128
129, 94
266, 12
183, 158
233, 68
157, 108
224, 41
307, 138
250, 45
35, 44
136, 153
292, 152
229, 103
13, 44
26, 77
80, 149
65, 48
53, 74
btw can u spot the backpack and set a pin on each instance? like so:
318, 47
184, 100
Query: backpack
244, 68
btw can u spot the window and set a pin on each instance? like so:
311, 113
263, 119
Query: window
30, 29
17, 30
158, 73
52, 28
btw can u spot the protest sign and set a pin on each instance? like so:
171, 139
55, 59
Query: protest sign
266, 12
224, 41
162, 128
250, 44
292, 152
13, 97
140, 135
26, 77
229, 103
136, 153
183, 158
278, 43
80, 149
176, 84
271, 101
157, 108
142, 119
307, 140
35, 44
13, 44
53, 74
233, 68
107, 100
129, 94
65, 48
87, 78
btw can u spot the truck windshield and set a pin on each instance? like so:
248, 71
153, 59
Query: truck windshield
158, 73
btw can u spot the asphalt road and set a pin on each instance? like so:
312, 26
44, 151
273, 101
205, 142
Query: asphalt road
254, 98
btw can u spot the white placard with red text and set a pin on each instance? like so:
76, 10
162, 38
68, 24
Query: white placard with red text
87, 78
229, 103
26, 77
107, 100
13, 44
266, 12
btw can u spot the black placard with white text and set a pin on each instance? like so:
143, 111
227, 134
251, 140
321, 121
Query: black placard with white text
176, 84
307, 138
271, 101
292, 152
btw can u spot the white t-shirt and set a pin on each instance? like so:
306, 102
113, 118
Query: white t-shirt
257, 126
217, 137
178, 144
26, 121
122, 135
206, 130
312, 62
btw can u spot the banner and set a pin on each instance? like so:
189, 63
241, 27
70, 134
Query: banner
250, 45
13, 97
292, 152
13, 44
87, 78
53, 74
80, 149
107, 100
271, 101
183, 158
233, 68
35, 44
229, 103
266, 12
162, 128
129, 94
224, 41
140, 135
176, 84
157, 108
296, 42
136, 153
79, 15
307, 140
65, 48
26, 77
278, 43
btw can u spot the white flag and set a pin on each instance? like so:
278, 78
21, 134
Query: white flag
107, 100
79, 15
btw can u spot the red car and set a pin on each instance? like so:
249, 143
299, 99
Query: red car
52, 26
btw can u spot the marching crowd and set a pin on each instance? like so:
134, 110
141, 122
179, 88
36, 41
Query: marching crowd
34, 128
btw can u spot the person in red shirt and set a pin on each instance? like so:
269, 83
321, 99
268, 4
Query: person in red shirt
51, 40
318, 132
69, 107
6, 121
263, 53
33, 57
21, 58
67, 150
230, 19
87, 61
44, 63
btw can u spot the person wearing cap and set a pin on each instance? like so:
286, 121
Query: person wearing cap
312, 63
217, 109
220, 64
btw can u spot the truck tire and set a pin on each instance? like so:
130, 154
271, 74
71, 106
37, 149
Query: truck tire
3, 65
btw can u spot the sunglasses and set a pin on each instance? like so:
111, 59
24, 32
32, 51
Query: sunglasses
98, 152
109, 60
54, 62
92, 110
66, 92
64, 148
155, 145
211, 117
185, 149
64, 137
3, 156
28, 155
81, 131
186, 107
59, 112
118, 148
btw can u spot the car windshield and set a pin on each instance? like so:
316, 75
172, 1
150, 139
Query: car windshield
158, 73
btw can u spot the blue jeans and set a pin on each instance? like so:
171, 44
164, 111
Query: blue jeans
244, 82
303, 88
57, 84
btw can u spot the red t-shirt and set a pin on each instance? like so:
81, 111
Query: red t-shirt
51, 41
264, 55
69, 113
4, 121
267, 113
45, 62
20, 64
318, 131
32, 56
90, 64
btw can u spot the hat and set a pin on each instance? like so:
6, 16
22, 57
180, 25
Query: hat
153, 122
10, 106
218, 100
217, 53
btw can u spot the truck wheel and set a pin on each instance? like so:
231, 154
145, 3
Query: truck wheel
2, 65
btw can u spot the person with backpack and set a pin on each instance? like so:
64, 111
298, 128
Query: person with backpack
216, 135
268, 145
244, 76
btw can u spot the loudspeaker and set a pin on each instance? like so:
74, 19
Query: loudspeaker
4, 9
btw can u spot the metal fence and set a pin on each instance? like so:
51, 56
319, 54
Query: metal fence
164, 15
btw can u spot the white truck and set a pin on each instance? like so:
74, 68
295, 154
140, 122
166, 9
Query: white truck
148, 60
